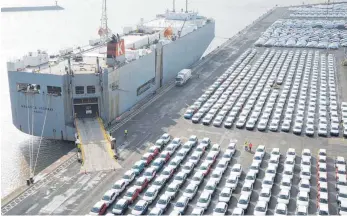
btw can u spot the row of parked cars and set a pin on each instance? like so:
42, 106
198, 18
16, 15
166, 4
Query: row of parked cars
337, 11
305, 33
251, 95
150, 176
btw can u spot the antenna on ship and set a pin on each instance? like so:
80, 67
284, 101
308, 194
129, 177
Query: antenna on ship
104, 31
186, 6
173, 5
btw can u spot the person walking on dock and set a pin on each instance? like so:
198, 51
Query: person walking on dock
246, 146
125, 133
250, 147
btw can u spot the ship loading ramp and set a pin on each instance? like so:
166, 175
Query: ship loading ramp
95, 145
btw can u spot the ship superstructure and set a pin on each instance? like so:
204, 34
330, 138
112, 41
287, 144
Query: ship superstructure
49, 91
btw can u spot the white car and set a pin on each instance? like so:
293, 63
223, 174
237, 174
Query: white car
155, 211
222, 165
261, 149
244, 200
340, 161
305, 173
215, 148
283, 196
165, 138
303, 199
323, 209
274, 160
172, 189
309, 131
232, 182
260, 208
225, 195
181, 204
275, 151
238, 212
250, 177
211, 186
197, 178
291, 153
288, 172
187, 168
159, 182
255, 166
322, 199
180, 178
268, 181
305, 162
306, 153
228, 155
216, 175
289, 163
265, 194
119, 186
163, 202
341, 184
140, 207
220, 209
204, 200
301, 210
271, 170
149, 173
247, 188
109, 197
236, 170
150, 194
195, 157
286, 183
343, 209
190, 191
129, 176
281, 209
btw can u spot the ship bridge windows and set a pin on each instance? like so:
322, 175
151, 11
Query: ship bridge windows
79, 89
91, 89
54, 90
28, 88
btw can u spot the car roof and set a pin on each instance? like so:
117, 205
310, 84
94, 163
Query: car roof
248, 184
306, 168
152, 189
261, 203
340, 158
244, 195
324, 207
302, 208
232, 177
182, 199
221, 205
205, 194
284, 191
265, 190
303, 193
109, 193
132, 189
225, 190
174, 184
306, 181
156, 210
141, 202
323, 195
197, 210
237, 166
122, 201
98, 204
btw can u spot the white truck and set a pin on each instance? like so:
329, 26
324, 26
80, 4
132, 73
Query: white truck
183, 76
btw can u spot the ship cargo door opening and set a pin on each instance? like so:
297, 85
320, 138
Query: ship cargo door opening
86, 107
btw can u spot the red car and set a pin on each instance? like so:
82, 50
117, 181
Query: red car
154, 150
141, 183
165, 155
131, 194
99, 208
147, 158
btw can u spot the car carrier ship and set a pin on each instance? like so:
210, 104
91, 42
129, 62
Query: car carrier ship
105, 78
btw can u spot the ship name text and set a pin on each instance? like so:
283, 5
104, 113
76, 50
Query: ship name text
36, 108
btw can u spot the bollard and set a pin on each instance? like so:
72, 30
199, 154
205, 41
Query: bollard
32, 180
85, 171
28, 182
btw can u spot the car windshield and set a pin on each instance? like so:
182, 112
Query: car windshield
242, 201
179, 178
231, 181
180, 204
220, 210
118, 206
129, 194
139, 208
95, 210
306, 173
305, 185
264, 195
281, 211
194, 158
342, 183
127, 177
301, 213
268, 182
203, 167
324, 189
250, 177
173, 163
165, 172
106, 198
260, 150
284, 196
116, 186
322, 179
291, 153
157, 163
322, 169
271, 171
301, 198
203, 200
225, 194
343, 195
148, 174
289, 162
321, 212
254, 168
158, 182
246, 189
235, 170
163, 202
170, 189
221, 165
343, 209
260, 208
306, 163
286, 183
343, 172
215, 175
209, 187
287, 172
149, 194
257, 158
196, 178
323, 200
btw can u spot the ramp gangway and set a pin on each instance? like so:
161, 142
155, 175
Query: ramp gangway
95, 145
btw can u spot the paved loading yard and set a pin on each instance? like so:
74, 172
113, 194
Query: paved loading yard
72, 193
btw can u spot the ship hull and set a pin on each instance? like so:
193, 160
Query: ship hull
52, 116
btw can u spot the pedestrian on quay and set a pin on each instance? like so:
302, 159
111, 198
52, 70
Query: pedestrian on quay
250, 146
246, 146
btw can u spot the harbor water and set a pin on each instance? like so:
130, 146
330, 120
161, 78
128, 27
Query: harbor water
79, 22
